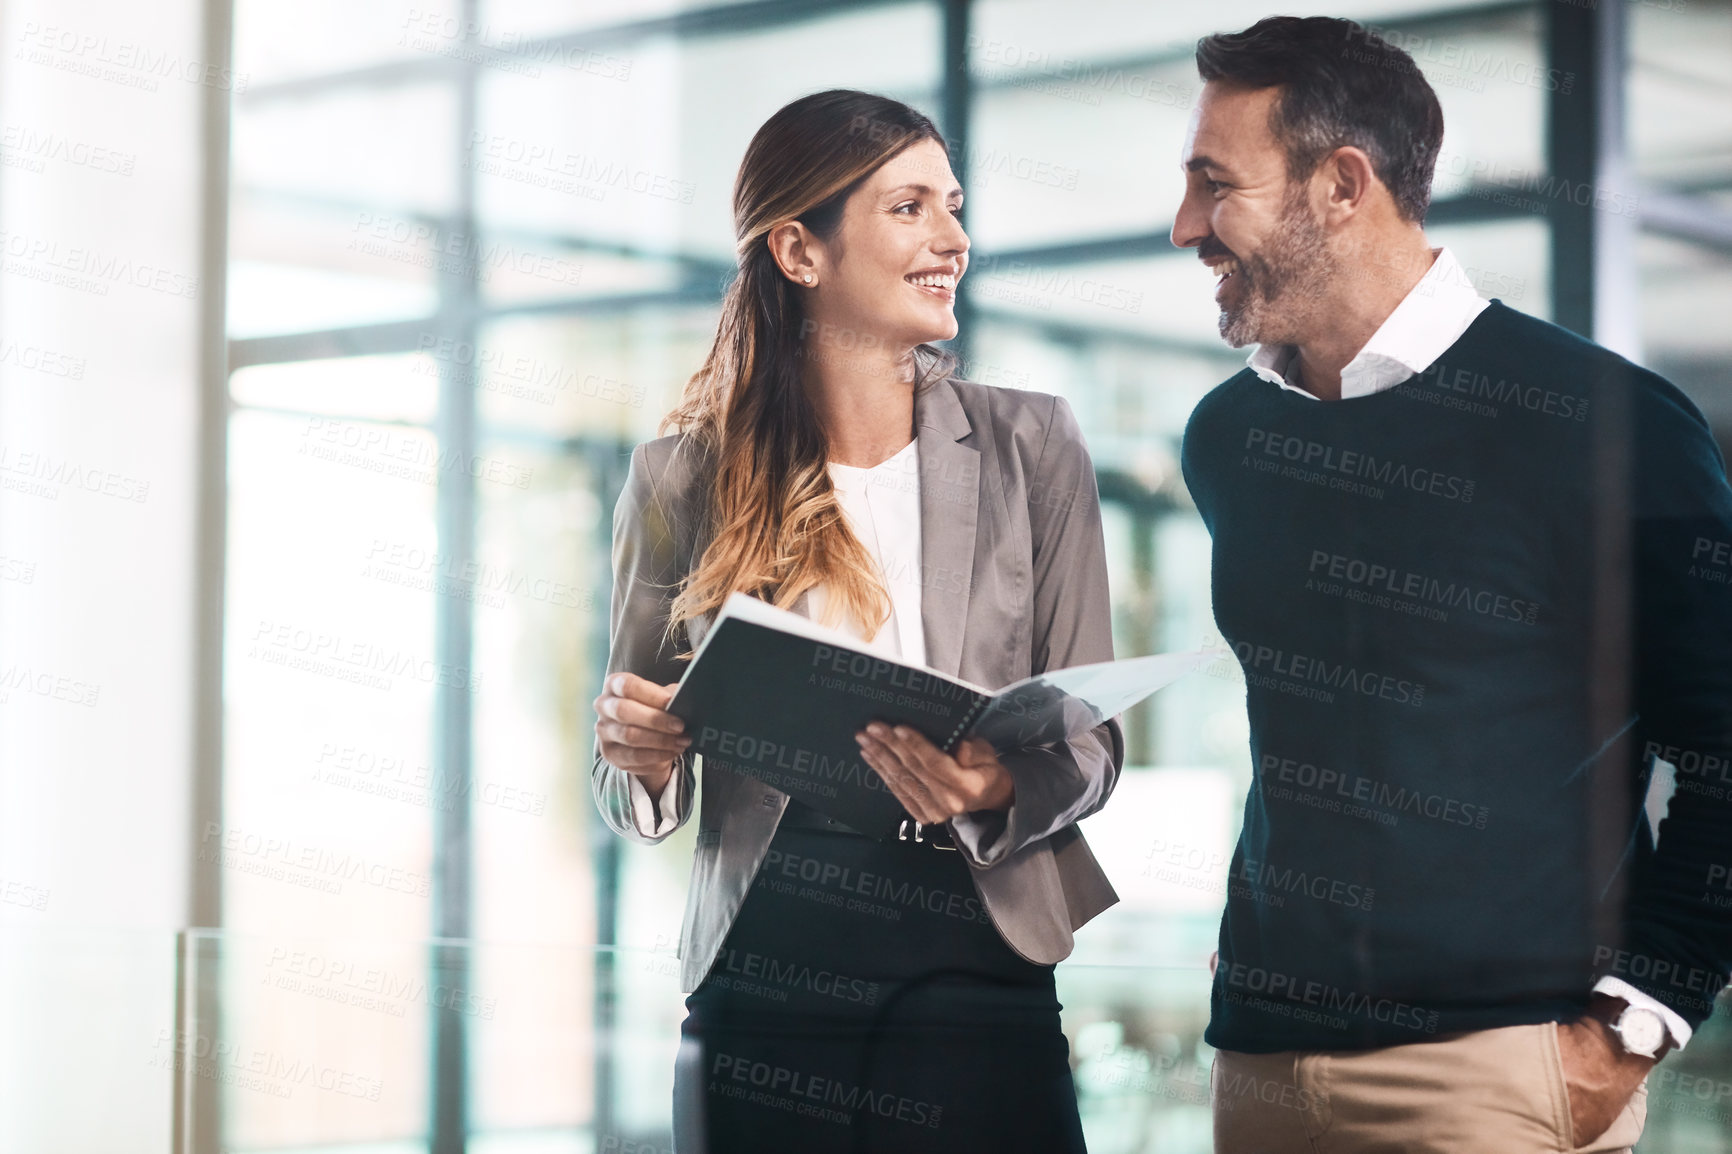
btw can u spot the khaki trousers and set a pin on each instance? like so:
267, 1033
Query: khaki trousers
1490, 1092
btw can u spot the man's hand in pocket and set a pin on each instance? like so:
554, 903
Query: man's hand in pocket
1599, 1073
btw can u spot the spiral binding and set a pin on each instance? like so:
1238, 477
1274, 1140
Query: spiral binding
968, 719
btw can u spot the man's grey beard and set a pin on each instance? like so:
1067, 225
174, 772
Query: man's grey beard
1285, 280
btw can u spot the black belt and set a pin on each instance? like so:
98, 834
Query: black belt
798, 815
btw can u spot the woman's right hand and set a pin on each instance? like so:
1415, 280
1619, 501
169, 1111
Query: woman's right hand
636, 733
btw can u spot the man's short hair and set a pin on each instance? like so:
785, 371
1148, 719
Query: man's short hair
1341, 84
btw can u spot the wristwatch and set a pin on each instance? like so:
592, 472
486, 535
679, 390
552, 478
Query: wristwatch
1640, 1031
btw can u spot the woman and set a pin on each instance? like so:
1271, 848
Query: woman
854, 990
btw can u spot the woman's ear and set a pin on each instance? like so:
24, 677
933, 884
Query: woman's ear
796, 252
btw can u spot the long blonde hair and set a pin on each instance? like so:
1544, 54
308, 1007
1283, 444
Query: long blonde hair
776, 526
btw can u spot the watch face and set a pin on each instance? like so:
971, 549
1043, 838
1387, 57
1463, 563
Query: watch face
1641, 1031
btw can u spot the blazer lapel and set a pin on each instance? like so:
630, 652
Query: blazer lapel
949, 509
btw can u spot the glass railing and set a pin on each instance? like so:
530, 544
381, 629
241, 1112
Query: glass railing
212, 1041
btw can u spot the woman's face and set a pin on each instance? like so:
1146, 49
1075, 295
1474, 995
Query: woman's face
889, 272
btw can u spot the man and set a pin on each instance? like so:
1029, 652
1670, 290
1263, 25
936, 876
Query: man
1464, 559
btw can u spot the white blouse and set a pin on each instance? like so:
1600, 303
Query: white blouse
882, 507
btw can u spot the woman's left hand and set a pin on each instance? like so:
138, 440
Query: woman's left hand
932, 785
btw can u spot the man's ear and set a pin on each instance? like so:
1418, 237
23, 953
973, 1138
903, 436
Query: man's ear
1349, 181
797, 252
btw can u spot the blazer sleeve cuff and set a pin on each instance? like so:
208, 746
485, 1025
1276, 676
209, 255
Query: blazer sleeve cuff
658, 818
981, 836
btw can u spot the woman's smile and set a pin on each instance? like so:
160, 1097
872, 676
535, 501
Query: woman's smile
937, 282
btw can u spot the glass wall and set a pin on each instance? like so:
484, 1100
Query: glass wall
476, 249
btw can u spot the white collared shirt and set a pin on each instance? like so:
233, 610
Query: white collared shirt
1423, 326
1428, 320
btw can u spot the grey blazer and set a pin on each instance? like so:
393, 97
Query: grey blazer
1014, 582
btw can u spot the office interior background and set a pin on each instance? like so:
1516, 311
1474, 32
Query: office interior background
325, 329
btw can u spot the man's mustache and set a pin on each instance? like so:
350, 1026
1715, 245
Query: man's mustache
1212, 249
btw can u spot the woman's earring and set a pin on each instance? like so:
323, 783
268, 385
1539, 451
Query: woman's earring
807, 278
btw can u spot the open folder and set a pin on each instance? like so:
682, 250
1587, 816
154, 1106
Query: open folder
779, 698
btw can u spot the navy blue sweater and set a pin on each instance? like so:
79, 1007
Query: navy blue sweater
1470, 610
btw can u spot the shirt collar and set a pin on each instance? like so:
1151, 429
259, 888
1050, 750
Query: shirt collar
1428, 320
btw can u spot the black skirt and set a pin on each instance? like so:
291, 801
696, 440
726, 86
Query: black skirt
864, 1001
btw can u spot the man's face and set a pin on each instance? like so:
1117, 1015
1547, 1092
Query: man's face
1249, 223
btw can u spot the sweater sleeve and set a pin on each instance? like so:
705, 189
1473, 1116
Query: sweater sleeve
1059, 784
1678, 924
1194, 454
